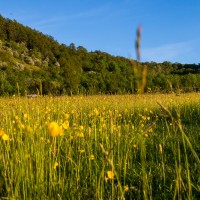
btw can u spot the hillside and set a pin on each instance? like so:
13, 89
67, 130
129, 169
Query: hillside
31, 62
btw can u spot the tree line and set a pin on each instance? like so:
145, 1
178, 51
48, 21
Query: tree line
32, 62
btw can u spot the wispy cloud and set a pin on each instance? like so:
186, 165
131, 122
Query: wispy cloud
168, 52
57, 20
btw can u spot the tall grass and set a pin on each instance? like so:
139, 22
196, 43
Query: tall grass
100, 147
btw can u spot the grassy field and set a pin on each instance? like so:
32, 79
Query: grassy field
100, 147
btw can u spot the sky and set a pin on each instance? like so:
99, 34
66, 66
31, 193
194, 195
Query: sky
170, 28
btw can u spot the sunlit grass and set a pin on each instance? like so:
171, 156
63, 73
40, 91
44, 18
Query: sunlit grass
100, 147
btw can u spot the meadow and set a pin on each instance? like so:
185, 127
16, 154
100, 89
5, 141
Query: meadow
100, 147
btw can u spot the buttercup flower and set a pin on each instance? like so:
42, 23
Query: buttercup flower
55, 165
5, 137
81, 150
81, 128
126, 188
91, 157
65, 125
81, 135
55, 129
110, 174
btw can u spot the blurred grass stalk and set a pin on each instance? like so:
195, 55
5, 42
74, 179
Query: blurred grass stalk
140, 71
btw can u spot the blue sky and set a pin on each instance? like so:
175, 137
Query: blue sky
170, 28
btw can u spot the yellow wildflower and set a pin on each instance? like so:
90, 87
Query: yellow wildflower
82, 150
126, 188
21, 126
96, 112
66, 116
76, 134
28, 128
65, 125
25, 116
72, 112
5, 137
81, 135
81, 128
55, 165
91, 157
142, 125
144, 117
110, 174
55, 129
119, 127
146, 135
150, 130
48, 141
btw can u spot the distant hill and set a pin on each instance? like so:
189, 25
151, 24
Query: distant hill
31, 62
